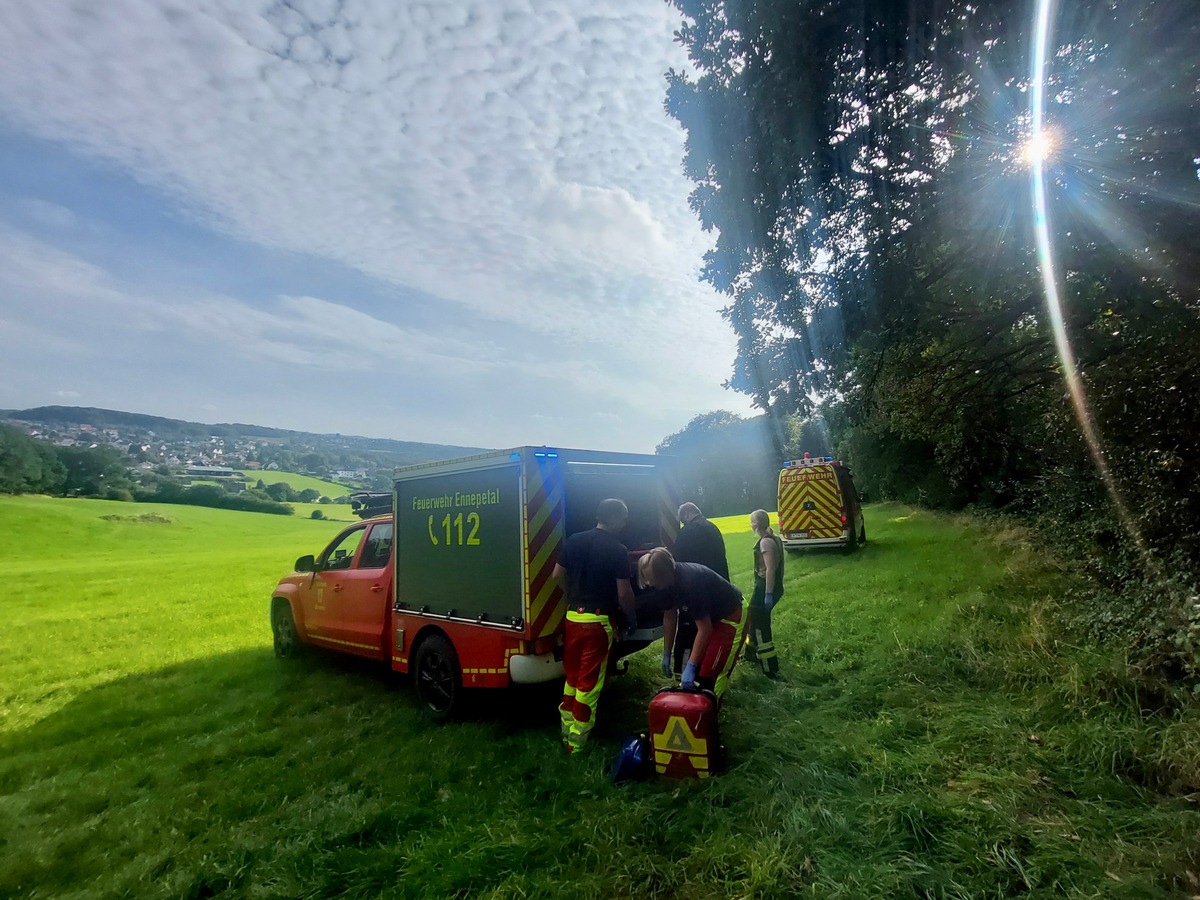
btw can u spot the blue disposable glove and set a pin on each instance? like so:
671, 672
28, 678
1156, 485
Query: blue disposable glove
666, 666
769, 600
689, 675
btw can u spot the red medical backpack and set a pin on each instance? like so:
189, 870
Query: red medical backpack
684, 733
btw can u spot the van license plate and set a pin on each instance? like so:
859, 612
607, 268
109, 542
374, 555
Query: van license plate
798, 534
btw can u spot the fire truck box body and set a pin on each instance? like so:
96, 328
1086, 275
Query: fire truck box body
476, 543
684, 733
819, 505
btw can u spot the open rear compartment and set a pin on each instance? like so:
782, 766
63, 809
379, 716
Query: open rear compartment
647, 491
641, 486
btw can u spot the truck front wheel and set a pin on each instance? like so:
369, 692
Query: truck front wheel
437, 676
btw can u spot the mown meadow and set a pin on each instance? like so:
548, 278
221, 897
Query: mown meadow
934, 734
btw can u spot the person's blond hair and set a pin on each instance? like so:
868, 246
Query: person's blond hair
657, 566
760, 520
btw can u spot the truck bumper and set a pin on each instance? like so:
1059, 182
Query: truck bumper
801, 544
534, 669
637, 640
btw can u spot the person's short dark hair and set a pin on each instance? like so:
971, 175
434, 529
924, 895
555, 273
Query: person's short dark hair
612, 512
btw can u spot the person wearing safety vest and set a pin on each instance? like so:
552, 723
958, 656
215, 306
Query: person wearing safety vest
768, 590
718, 608
596, 567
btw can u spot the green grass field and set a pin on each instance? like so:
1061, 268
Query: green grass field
931, 736
338, 512
330, 489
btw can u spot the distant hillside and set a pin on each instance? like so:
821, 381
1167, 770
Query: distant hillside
170, 430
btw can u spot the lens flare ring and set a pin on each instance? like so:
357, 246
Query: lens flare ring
1043, 19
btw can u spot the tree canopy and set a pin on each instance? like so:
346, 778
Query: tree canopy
864, 167
870, 172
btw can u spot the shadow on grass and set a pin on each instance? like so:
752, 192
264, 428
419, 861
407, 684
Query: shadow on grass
197, 778
248, 681
195, 700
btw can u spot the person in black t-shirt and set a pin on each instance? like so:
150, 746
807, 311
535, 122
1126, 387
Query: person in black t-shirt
699, 541
718, 608
596, 568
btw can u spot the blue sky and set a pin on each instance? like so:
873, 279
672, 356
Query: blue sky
456, 222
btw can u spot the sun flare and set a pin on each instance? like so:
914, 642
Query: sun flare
1038, 148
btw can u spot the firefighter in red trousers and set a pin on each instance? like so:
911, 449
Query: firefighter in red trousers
596, 567
719, 609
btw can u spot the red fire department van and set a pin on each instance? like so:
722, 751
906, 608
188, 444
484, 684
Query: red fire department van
454, 588
819, 505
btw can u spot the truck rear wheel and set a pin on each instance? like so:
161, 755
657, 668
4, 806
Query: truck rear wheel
437, 676
283, 631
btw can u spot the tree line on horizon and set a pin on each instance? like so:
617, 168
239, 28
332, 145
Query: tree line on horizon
32, 466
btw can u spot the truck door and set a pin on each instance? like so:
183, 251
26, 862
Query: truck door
365, 593
321, 601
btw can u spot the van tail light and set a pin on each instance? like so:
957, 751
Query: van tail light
843, 520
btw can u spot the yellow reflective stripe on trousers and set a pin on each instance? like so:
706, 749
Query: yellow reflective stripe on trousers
739, 634
575, 732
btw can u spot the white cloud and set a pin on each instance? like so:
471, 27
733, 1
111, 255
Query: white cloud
51, 289
508, 159
53, 215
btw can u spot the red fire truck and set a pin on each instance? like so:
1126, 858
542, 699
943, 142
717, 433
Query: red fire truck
454, 586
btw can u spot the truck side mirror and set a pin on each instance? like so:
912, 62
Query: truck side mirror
306, 563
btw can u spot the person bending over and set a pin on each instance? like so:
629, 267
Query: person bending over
718, 608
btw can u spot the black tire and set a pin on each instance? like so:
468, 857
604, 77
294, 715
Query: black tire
283, 631
437, 676
851, 540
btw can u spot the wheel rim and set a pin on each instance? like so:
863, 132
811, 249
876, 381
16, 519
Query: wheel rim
436, 681
285, 635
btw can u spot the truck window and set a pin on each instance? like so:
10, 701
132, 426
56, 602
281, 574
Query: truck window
340, 554
378, 547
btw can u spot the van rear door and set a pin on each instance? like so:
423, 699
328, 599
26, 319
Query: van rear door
810, 506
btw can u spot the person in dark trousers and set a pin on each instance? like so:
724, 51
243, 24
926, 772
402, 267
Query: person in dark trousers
768, 590
718, 608
596, 567
699, 541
